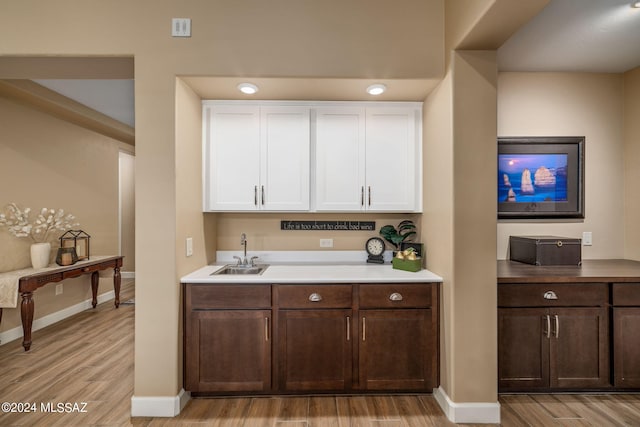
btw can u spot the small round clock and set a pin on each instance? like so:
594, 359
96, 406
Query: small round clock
375, 250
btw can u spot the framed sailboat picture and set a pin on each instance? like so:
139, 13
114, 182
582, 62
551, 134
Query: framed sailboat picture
540, 177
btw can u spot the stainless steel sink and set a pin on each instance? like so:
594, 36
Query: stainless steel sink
241, 269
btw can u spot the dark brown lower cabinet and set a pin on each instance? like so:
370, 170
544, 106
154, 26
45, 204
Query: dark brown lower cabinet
553, 347
626, 342
315, 350
228, 350
626, 334
310, 338
396, 350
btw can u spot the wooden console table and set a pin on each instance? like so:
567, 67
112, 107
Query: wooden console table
28, 284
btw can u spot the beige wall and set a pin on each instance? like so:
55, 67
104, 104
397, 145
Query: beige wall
281, 38
46, 162
572, 104
127, 211
263, 231
459, 221
631, 164
437, 219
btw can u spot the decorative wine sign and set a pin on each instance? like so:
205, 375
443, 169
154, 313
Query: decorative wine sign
328, 225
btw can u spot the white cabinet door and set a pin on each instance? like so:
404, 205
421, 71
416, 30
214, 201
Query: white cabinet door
391, 159
256, 158
367, 159
284, 147
339, 159
231, 157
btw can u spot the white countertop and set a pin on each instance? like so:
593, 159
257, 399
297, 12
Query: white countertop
316, 273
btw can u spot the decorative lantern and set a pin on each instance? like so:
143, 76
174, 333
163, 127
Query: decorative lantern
78, 240
66, 256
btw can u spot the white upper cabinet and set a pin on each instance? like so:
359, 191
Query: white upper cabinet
392, 157
368, 159
342, 156
340, 159
255, 157
284, 167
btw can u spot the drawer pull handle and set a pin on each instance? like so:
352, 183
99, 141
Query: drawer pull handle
559, 243
395, 296
550, 295
315, 297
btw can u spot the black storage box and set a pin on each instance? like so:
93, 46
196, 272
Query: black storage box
545, 250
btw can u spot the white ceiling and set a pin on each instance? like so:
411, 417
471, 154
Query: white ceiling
576, 35
113, 98
568, 35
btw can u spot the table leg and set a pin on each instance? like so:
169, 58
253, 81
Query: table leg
26, 311
95, 278
116, 285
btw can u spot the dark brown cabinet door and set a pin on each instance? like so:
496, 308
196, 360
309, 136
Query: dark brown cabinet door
397, 350
579, 347
626, 344
552, 348
314, 350
523, 348
228, 351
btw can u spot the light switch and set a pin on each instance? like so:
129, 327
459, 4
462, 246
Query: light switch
587, 238
189, 246
181, 27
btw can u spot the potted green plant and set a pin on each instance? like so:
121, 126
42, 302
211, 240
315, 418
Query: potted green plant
396, 237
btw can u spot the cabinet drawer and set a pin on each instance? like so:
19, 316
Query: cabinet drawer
203, 297
626, 294
395, 296
314, 296
567, 295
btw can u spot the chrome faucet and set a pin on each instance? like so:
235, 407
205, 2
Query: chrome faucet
244, 261
243, 242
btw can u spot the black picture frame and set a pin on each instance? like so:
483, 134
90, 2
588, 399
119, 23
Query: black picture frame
555, 189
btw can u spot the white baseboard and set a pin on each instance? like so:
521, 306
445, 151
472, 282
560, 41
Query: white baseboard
159, 406
50, 319
469, 412
128, 274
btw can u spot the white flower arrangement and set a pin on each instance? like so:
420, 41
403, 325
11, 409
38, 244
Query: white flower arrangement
19, 224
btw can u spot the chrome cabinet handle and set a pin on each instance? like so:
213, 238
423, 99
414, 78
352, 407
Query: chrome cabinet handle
550, 295
315, 297
348, 328
255, 195
557, 322
266, 329
548, 331
262, 192
396, 296
364, 329
362, 196
369, 195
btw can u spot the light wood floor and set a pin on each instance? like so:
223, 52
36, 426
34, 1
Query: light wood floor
89, 358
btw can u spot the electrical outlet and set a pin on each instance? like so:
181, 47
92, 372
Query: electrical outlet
59, 289
587, 238
326, 243
189, 246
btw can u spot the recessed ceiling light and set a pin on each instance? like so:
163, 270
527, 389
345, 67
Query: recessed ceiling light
635, 4
376, 89
248, 88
